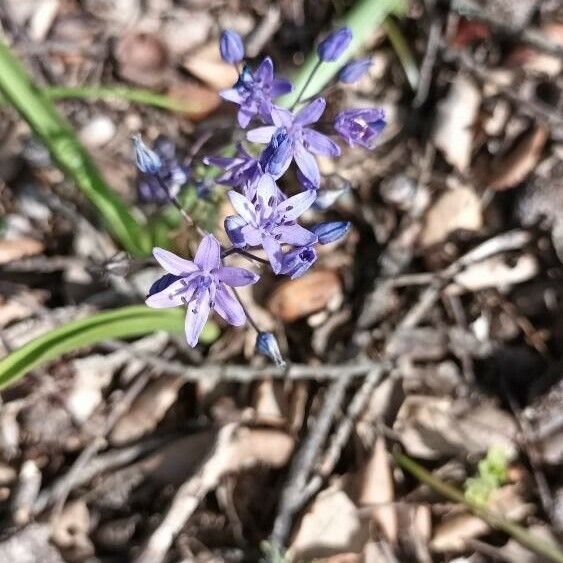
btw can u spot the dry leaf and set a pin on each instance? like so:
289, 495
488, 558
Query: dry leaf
147, 410
330, 526
456, 209
453, 532
142, 58
536, 61
198, 101
494, 272
301, 297
270, 403
206, 64
431, 428
70, 531
377, 488
30, 545
16, 249
513, 167
453, 134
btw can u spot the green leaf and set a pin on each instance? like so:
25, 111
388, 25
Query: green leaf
362, 19
126, 322
57, 135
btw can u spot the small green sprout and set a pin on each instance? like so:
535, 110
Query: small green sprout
492, 473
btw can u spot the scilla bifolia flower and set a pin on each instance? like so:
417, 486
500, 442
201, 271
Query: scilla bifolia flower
231, 46
334, 45
201, 285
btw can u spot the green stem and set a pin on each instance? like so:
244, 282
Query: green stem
521, 535
120, 92
403, 52
57, 135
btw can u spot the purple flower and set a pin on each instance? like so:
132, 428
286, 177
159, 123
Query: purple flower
157, 184
202, 285
267, 345
331, 231
335, 44
304, 141
231, 46
240, 170
276, 157
269, 222
255, 91
360, 126
297, 261
354, 70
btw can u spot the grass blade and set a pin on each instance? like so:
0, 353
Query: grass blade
125, 322
57, 135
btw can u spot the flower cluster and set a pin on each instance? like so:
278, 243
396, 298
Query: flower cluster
266, 219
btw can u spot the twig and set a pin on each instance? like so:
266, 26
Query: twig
472, 11
26, 492
521, 535
302, 464
62, 488
430, 56
264, 31
187, 499
246, 373
339, 440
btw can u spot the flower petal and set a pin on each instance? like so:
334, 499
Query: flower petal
251, 235
281, 86
311, 112
229, 307
307, 164
172, 296
282, 117
261, 134
274, 252
231, 95
236, 277
296, 205
208, 255
172, 263
243, 206
317, 143
297, 235
244, 116
198, 312
266, 189
265, 71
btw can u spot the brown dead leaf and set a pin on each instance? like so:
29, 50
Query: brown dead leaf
331, 526
377, 488
197, 101
456, 209
536, 61
206, 64
432, 427
147, 410
453, 134
270, 403
301, 297
454, 531
142, 58
16, 249
513, 167
70, 531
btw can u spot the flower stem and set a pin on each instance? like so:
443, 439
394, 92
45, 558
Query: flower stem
246, 311
246, 254
521, 535
307, 82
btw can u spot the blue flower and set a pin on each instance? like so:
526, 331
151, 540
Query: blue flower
334, 44
201, 285
331, 231
268, 221
231, 46
267, 345
157, 184
255, 91
360, 126
354, 70
239, 170
304, 141
297, 261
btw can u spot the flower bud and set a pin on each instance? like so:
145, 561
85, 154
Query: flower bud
354, 70
331, 231
147, 160
231, 46
335, 44
267, 345
297, 261
233, 227
276, 157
